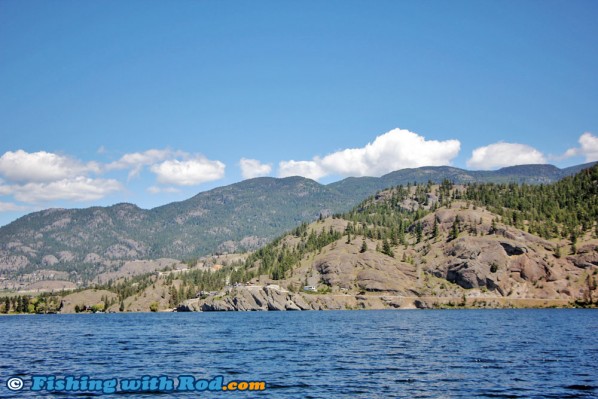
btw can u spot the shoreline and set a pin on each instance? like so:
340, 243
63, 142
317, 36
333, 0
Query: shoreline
513, 304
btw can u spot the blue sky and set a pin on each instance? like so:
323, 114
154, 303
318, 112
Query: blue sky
152, 102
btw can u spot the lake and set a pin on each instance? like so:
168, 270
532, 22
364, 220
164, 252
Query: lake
549, 353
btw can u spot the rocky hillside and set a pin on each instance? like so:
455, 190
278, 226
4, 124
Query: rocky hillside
79, 244
429, 247
488, 264
419, 246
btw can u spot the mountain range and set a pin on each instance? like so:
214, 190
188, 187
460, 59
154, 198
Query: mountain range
418, 246
242, 216
429, 246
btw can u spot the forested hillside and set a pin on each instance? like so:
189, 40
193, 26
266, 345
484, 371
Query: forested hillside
79, 244
410, 245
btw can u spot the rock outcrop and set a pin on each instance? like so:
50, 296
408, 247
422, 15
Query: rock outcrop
247, 298
491, 262
369, 271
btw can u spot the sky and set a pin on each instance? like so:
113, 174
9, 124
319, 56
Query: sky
151, 102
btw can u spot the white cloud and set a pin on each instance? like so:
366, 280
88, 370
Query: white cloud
21, 166
76, 189
501, 154
309, 169
11, 207
189, 172
251, 168
588, 148
396, 149
136, 161
45, 177
571, 152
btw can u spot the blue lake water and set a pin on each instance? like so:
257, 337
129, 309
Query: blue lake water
549, 353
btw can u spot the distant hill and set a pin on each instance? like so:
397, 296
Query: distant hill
241, 216
98, 239
530, 174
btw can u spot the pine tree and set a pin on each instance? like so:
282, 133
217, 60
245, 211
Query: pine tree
419, 231
393, 237
454, 230
386, 249
364, 246
435, 229
557, 252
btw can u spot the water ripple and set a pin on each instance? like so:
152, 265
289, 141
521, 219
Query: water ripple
345, 354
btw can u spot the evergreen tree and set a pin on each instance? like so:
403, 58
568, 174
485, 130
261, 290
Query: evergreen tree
393, 237
419, 231
435, 228
364, 246
386, 249
557, 252
454, 230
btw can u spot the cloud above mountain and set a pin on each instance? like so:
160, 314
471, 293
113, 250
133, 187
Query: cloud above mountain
21, 166
501, 154
35, 179
396, 149
38, 177
172, 167
588, 148
251, 168
136, 161
43, 177
189, 172
73, 189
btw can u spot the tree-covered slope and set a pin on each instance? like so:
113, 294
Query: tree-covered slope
436, 245
428, 245
530, 174
236, 217
241, 216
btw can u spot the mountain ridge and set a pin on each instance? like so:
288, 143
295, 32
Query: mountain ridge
240, 216
479, 245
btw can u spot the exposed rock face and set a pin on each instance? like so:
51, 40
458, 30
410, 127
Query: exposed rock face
255, 298
474, 262
513, 249
496, 263
247, 298
370, 271
337, 270
586, 257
